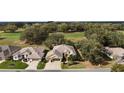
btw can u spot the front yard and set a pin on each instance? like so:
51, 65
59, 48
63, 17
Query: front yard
74, 66
87, 64
41, 65
8, 64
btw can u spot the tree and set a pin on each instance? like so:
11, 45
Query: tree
50, 27
34, 35
106, 37
54, 39
92, 51
10, 27
63, 27
117, 68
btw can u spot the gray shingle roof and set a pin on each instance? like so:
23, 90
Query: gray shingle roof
36, 52
59, 50
116, 51
7, 51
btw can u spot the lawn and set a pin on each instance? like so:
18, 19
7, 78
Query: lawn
74, 36
9, 38
13, 36
41, 65
13, 65
74, 66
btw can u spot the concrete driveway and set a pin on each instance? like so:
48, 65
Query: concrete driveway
32, 65
1, 61
56, 65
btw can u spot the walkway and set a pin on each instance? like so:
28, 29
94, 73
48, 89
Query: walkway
32, 65
56, 65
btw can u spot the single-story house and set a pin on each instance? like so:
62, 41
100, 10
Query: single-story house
29, 54
7, 51
117, 53
59, 51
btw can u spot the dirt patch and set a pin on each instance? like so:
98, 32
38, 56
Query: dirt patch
88, 64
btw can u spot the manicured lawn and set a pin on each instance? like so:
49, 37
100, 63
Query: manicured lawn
13, 65
13, 36
74, 36
9, 38
41, 65
74, 66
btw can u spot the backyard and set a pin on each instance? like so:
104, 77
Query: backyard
73, 36
9, 38
14, 38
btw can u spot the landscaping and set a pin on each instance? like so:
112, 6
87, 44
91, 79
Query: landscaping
91, 42
74, 36
73, 66
41, 65
14, 36
8, 64
9, 38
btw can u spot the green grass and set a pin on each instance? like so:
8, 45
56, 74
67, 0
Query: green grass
9, 38
73, 36
41, 65
13, 65
74, 66
13, 36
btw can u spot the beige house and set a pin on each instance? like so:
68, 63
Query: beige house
117, 53
59, 51
28, 54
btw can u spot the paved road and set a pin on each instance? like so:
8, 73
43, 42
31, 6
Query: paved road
32, 65
56, 65
70, 70
88, 70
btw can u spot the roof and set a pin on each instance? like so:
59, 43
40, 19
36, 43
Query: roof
118, 51
59, 50
64, 48
9, 49
36, 52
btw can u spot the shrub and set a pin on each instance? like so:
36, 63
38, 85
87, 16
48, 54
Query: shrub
117, 68
54, 39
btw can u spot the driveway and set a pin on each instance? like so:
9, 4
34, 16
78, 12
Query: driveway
56, 65
32, 65
1, 61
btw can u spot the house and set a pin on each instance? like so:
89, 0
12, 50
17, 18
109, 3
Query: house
29, 54
117, 53
59, 51
7, 51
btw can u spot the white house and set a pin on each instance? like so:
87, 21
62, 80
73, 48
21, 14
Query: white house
29, 54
